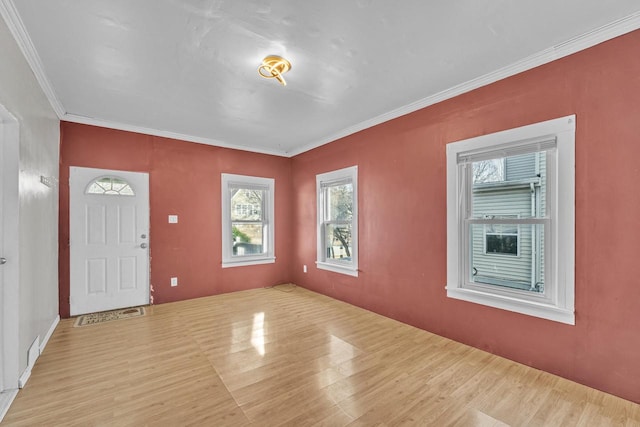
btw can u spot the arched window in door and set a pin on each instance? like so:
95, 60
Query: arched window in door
110, 186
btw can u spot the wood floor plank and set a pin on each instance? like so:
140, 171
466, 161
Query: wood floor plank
290, 357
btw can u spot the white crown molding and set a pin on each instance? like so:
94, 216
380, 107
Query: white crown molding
617, 28
10, 14
165, 134
582, 42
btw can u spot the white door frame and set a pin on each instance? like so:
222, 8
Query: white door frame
80, 178
9, 249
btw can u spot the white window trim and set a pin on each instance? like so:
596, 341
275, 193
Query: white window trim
350, 173
559, 239
228, 260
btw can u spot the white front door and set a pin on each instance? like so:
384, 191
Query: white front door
109, 239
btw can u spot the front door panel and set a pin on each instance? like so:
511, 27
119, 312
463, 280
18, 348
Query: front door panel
109, 215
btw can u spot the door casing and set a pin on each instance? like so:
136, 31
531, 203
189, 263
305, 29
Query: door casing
9, 249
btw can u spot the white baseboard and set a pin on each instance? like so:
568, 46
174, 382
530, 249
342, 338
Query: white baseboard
35, 351
32, 356
52, 328
22, 381
6, 398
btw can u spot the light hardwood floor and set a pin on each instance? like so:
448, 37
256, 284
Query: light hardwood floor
269, 357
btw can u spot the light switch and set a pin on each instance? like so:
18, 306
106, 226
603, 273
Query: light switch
173, 219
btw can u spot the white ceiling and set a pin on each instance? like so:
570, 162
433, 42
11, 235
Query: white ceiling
188, 69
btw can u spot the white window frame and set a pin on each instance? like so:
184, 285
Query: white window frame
268, 220
558, 301
349, 174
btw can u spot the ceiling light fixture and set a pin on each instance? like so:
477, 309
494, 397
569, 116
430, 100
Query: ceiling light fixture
274, 67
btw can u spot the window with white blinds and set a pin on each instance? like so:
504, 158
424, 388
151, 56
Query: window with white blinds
510, 236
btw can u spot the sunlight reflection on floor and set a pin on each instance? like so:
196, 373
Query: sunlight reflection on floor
257, 333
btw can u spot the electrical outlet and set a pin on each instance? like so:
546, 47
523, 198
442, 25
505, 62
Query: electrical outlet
174, 281
304, 268
173, 219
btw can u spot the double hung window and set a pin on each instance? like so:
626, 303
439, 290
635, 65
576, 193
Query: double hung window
510, 219
247, 220
337, 194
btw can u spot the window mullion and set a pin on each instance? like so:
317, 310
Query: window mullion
465, 201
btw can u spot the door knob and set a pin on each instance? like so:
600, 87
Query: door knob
143, 245
3, 261
143, 236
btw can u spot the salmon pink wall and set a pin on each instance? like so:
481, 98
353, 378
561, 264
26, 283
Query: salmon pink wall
402, 217
402, 214
184, 180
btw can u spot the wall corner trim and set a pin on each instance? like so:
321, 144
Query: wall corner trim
10, 14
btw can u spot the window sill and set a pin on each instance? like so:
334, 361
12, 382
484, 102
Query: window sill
350, 271
531, 308
245, 262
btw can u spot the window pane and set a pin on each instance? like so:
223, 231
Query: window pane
513, 186
111, 187
502, 244
501, 239
247, 239
524, 271
338, 242
488, 171
118, 185
339, 202
246, 205
502, 228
